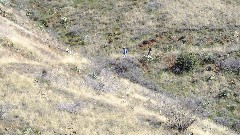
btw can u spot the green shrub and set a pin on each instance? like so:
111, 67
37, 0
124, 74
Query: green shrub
207, 59
184, 63
43, 22
73, 38
32, 15
223, 94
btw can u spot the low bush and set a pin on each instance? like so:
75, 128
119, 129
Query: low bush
223, 94
32, 15
127, 68
180, 121
230, 64
184, 63
71, 108
207, 59
73, 38
131, 69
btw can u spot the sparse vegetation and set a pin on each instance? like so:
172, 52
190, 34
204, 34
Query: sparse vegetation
69, 77
180, 122
207, 59
131, 69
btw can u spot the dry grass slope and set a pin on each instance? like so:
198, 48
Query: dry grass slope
49, 88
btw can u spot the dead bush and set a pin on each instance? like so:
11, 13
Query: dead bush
180, 121
71, 108
179, 118
131, 69
94, 83
170, 61
128, 68
230, 64
236, 125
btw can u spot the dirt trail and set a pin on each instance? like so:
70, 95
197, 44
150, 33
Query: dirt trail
132, 100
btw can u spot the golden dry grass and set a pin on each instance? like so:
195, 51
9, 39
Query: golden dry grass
61, 102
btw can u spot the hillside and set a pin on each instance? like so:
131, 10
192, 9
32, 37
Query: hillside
62, 71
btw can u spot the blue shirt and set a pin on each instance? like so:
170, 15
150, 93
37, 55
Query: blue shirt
125, 50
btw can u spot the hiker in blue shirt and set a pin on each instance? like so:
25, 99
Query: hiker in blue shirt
125, 51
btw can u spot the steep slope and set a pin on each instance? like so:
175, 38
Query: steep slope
48, 89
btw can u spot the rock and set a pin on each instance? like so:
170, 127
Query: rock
232, 82
210, 78
67, 50
208, 68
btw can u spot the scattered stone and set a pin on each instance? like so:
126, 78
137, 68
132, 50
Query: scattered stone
232, 82
208, 68
63, 20
235, 94
211, 77
67, 50
194, 80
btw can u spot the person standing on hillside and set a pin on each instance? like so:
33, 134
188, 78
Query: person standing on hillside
149, 51
125, 51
